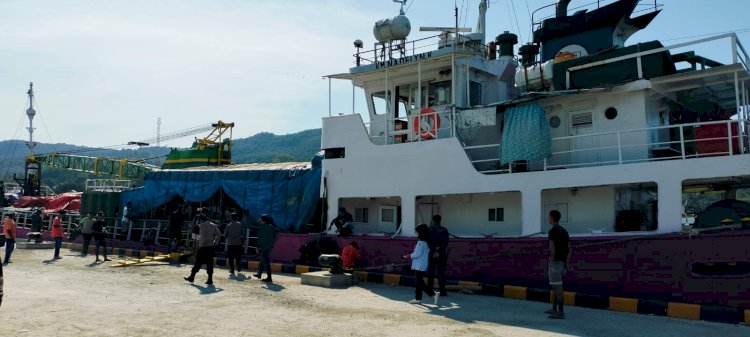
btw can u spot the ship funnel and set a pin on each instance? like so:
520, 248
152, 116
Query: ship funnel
562, 8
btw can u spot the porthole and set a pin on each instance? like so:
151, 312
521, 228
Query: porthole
554, 122
610, 113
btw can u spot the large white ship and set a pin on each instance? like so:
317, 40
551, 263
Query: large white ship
616, 137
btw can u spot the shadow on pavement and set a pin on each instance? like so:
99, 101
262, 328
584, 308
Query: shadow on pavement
273, 287
207, 290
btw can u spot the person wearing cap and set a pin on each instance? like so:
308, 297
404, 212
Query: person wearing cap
266, 239
57, 233
233, 233
9, 229
209, 239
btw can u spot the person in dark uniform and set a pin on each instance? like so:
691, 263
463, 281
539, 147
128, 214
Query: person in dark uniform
343, 222
100, 235
559, 259
176, 219
439, 238
266, 239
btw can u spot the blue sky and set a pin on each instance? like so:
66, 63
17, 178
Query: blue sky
105, 70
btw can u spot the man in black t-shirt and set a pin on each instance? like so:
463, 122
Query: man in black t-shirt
559, 258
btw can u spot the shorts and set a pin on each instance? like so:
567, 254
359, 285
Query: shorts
557, 271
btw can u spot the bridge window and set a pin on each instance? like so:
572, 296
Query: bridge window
475, 92
440, 93
381, 102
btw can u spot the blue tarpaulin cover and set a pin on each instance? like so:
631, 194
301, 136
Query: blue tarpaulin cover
525, 134
288, 192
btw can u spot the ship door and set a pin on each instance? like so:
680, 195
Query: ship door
583, 145
388, 219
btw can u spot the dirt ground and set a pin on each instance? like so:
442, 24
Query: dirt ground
75, 297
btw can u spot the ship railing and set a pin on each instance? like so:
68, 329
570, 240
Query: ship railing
108, 184
397, 49
671, 142
738, 56
401, 129
549, 11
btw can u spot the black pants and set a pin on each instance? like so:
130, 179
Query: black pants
86, 242
101, 241
436, 267
205, 255
420, 286
265, 262
234, 257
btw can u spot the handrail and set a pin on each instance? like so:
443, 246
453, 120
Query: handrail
730, 140
638, 55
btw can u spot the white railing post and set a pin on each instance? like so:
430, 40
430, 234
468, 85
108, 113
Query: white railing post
729, 137
682, 142
639, 64
619, 148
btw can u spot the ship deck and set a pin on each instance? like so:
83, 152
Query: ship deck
94, 300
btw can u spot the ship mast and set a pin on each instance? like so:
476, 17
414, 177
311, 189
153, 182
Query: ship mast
31, 112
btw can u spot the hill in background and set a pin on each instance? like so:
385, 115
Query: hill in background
263, 147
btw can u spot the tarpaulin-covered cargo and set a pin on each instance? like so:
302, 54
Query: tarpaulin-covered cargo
288, 192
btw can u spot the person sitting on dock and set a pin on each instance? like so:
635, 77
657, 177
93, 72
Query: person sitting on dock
209, 239
559, 259
100, 235
351, 256
343, 222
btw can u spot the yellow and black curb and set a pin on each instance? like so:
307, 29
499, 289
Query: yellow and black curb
614, 303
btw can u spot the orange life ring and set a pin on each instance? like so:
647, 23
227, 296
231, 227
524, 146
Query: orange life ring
429, 118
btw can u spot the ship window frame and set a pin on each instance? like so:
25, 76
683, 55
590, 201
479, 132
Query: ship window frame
496, 214
384, 97
435, 89
362, 214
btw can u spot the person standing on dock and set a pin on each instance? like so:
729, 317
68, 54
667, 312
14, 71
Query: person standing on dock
559, 259
36, 221
125, 222
99, 232
87, 230
9, 229
419, 261
439, 238
266, 239
233, 233
209, 239
176, 219
57, 233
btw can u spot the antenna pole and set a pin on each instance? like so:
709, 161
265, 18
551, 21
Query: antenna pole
30, 112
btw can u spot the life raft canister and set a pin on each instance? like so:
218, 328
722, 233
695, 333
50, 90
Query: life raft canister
426, 123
